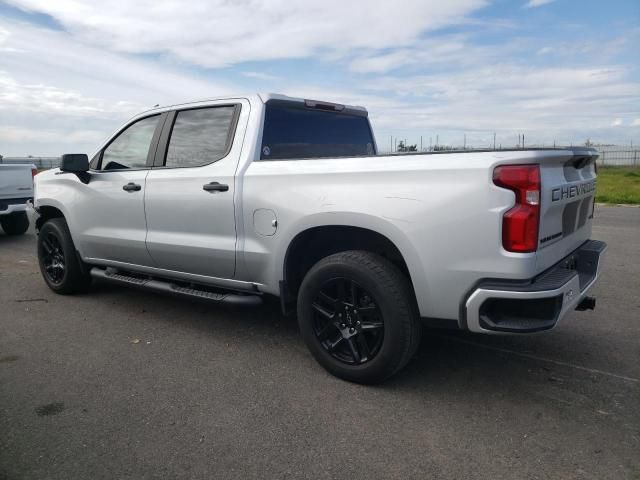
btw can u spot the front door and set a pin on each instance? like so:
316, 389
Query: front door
109, 213
190, 195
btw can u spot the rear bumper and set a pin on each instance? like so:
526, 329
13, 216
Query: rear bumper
9, 206
538, 304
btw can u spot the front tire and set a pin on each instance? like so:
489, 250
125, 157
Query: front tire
15, 223
357, 316
60, 265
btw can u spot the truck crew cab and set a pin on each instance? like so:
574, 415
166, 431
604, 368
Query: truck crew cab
235, 198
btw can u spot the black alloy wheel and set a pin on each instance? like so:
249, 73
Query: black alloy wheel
60, 264
347, 321
52, 256
357, 315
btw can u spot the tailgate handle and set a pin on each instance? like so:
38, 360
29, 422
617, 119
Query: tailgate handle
215, 187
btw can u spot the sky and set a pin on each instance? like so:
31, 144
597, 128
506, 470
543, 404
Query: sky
563, 71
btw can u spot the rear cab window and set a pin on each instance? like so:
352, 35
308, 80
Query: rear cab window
293, 130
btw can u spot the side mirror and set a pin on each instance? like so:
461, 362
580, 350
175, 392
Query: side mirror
74, 163
77, 163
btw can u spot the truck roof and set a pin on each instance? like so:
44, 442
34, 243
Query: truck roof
264, 98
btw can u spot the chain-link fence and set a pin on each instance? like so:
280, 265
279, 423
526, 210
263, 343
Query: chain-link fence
619, 158
41, 163
609, 155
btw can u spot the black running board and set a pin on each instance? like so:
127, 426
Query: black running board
167, 287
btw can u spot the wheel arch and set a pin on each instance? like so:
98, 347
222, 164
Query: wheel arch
318, 240
47, 212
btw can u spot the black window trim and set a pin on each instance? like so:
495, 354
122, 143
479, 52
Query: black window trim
153, 146
302, 106
159, 161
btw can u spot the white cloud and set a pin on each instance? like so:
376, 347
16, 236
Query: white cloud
95, 71
48, 99
63, 91
545, 103
381, 63
216, 33
260, 76
44, 136
545, 51
617, 122
594, 49
537, 3
451, 51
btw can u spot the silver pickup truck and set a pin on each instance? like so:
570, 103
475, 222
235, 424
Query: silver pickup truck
16, 193
232, 199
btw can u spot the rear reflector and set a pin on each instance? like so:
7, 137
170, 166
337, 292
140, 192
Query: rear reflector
520, 224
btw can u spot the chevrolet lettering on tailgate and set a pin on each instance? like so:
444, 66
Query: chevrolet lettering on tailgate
572, 191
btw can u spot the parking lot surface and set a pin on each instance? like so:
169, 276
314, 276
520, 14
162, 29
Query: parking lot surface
120, 383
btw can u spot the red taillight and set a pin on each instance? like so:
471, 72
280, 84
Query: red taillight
520, 224
34, 171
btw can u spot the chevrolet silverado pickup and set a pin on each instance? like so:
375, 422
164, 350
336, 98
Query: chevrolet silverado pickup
232, 199
16, 192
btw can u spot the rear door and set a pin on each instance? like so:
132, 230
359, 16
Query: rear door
566, 207
190, 193
109, 217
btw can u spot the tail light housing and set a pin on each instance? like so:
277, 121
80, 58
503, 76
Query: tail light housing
34, 172
520, 224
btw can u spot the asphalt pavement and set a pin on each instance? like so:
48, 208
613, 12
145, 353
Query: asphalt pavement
120, 383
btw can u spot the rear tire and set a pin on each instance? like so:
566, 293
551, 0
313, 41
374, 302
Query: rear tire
60, 264
369, 333
15, 223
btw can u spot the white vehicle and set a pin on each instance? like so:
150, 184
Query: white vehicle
16, 192
235, 198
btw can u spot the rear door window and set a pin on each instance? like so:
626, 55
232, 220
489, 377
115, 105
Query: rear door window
200, 136
292, 132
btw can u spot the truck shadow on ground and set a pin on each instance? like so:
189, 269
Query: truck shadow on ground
445, 360
14, 239
25, 239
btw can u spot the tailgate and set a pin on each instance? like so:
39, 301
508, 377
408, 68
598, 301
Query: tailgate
566, 206
16, 181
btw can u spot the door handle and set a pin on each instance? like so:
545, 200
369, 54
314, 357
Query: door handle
215, 187
131, 187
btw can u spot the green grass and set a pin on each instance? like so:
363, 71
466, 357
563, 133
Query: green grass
618, 185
